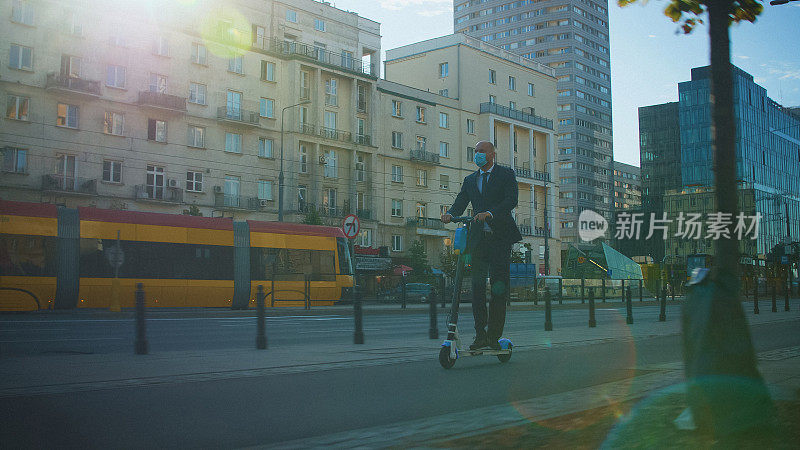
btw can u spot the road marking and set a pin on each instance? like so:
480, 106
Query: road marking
64, 339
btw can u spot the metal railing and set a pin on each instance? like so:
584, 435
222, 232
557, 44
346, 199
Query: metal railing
158, 193
332, 133
527, 230
299, 49
494, 108
238, 115
425, 222
74, 84
520, 172
541, 176
422, 155
236, 202
161, 100
62, 183
363, 139
364, 213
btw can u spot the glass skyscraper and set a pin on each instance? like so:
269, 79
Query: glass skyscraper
572, 37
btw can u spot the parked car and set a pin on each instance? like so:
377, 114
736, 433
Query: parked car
415, 292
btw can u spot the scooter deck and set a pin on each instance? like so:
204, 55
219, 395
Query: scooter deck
485, 352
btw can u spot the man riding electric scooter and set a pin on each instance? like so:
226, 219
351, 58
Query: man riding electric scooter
492, 191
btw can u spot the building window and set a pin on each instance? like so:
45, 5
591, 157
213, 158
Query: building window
492, 77
422, 177
397, 174
304, 85
264, 190
319, 24
67, 116
21, 57
364, 238
161, 46
154, 181
233, 142
360, 168
231, 190
157, 130
512, 83
443, 70
115, 76
70, 66
331, 169
421, 141
15, 160
303, 159
397, 243
158, 83
331, 94
17, 107
22, 12
397, 139
266, 107
444, 149
444, 121
397, 108
265, 147
444, 92
470, 126
444, 182
397, 208
492, 99
470, 153
199, 54
112, 171
194, 181
420, 114
75, 25
197, 93
197, 136
512, 105
113, 123
301, 197
531, 89
361, 97
329, 201
267, 71
236, 64
260, 36
329, 120
291, 16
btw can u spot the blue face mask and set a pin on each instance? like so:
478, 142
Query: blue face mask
480, 159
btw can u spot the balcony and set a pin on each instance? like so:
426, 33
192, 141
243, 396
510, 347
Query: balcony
238, 116
309, 52
365, 214
236, 202
522, 173
427, 226
66, 83
69, 185
422, 155
162, 101
541, 176
527, 230
165, 194
494, 108
334, 134
363, 139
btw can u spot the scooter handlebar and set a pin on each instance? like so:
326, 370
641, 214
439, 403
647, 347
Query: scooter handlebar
463, 219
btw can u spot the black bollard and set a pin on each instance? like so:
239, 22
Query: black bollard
623, 291
755, 297
662, 317
358, 334
560, 291
535, 292
641, 288
786, 296
441, 289
672, 290
592, 321
261, 335
433, 331
548, 313
604, 290
583, 300
774, 294
629, 308
141, 339
403, 292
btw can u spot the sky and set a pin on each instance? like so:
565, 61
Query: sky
648, 58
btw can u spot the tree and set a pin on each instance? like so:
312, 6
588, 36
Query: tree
312, 217
448, 261
193, 211
718, 351
419, 262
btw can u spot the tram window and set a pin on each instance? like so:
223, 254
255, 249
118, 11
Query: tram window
291, 264
345, 263
28, 255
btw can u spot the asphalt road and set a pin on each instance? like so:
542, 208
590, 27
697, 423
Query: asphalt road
85, 332
275, 408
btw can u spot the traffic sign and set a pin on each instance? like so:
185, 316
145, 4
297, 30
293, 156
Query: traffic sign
115, 255
351, 226
581, 260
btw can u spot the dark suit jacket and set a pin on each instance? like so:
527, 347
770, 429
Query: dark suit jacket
499, 197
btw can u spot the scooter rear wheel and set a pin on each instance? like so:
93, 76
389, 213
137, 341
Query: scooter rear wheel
444, 358
506, 356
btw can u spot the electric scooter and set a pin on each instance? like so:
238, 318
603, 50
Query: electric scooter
452, 346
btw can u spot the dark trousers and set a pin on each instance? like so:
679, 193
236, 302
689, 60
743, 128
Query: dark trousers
491, 255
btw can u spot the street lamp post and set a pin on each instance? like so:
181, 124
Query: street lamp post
546, 225
280, 175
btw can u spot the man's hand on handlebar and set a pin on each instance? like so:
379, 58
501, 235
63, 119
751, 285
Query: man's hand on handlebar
446, 218
483, 217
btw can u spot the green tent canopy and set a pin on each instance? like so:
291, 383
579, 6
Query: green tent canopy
600, 261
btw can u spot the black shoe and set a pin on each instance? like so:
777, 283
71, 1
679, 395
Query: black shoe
478, 343
493, 344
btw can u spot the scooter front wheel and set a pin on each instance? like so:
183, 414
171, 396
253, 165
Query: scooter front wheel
444, 358
505, 357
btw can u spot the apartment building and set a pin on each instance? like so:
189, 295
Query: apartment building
627, 186
470, 82
570, 36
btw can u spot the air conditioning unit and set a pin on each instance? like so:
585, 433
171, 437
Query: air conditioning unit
264, 203
173, 183
217, 189
323, 159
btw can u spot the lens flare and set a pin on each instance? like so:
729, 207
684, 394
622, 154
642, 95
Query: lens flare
225, 31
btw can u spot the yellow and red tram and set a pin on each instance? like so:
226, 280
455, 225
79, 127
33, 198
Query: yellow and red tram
181, 260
